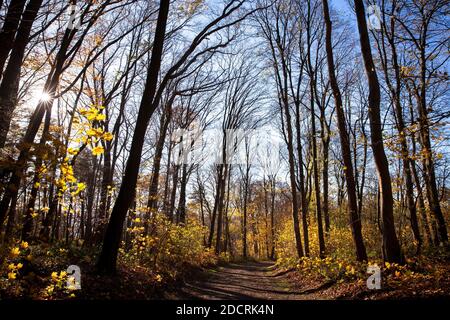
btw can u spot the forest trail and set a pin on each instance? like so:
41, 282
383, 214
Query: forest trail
242, 281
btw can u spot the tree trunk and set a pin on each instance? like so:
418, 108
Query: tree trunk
220, 205
395, 93
244, 224
428, 162
303, 201
272, 220
420, 196
10, 80
90, 201
266, 218
316, 178
28, 220
176, 170
216, 202
298, 239
355, 221
9, 30
181, 210
392, 251
325, 182
105, 190
152, 202
108, 256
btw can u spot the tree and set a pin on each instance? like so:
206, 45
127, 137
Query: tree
391, 246
355, 221
150, 101
395, 87
278, 30
312, 72
108, 256
421, 23
10, 79
9, 29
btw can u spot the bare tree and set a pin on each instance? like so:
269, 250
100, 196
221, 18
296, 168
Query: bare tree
355, 221
391, 246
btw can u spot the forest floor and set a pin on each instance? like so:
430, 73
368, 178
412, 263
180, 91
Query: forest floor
240, 281
262, 280
43, 278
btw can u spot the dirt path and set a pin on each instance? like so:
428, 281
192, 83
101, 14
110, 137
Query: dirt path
242, 281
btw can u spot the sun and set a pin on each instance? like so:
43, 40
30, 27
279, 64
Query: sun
44, 97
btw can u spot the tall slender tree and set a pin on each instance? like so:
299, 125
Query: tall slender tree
355, 221
391, 246
108, 256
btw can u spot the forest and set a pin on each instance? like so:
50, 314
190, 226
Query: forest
224, 149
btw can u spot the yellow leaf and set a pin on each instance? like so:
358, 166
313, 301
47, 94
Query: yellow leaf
15, 252
72, 151
107, 136
97, 150
100, 117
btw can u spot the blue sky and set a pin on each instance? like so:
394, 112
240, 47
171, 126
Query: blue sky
344, 9
340, 4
